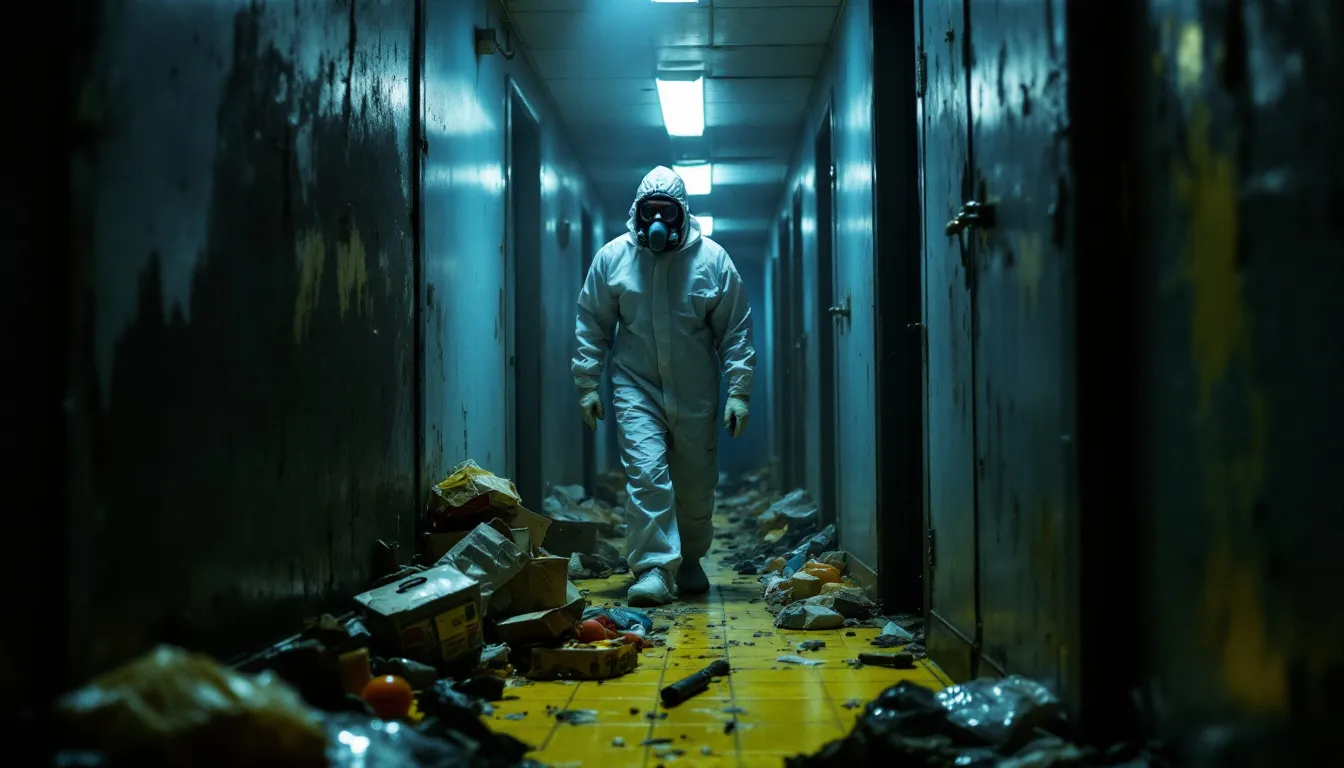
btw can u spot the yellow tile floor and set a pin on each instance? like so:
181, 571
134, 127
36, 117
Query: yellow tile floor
780, 709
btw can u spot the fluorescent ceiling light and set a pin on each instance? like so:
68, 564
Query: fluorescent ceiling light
699, 177
683, 103
706, 225
676, 1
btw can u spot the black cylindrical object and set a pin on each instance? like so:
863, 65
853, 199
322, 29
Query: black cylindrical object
695, 684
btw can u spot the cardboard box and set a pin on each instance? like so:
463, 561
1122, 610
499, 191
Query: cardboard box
540, 586
522, 517
583, 662
540, 626
433, 616
523, 538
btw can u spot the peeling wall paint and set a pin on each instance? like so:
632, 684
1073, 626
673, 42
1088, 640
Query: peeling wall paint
1242, 183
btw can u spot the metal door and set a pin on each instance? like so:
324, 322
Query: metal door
782, 360
1024, 361
798, 347
949, 285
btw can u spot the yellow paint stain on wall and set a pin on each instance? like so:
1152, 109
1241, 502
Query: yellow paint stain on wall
1031, 266
310, 255
352, 274
1233, 619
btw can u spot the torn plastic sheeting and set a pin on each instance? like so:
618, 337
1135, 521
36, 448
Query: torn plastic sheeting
791, 659
892, 629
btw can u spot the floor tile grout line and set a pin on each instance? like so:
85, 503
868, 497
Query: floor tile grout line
732, 691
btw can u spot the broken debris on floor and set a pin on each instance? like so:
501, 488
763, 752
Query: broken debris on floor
481, 606
1014, 722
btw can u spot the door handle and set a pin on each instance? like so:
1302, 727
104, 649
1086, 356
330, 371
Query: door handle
972, 214
840, 311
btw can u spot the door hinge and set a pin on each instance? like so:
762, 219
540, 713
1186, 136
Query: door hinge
933, 551
921, 73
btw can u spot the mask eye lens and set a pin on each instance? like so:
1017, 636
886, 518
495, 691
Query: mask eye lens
650, 209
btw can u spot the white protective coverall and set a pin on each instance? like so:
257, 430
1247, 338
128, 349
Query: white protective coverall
683, 318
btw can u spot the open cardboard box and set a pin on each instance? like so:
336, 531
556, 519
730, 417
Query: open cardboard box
583, 662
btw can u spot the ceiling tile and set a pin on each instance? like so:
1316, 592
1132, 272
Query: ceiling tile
766, 61
740, 3
614, 90
622, 115
551, 5
763, 113
756, 90
773, 26
633, 24
602, 63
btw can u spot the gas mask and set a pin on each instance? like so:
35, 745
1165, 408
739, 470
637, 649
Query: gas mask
658, 223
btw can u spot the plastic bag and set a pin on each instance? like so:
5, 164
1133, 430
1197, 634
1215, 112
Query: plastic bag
361, 742
468, 480
999, 711
171, 707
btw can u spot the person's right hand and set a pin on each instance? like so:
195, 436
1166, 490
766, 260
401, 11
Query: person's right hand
591, 406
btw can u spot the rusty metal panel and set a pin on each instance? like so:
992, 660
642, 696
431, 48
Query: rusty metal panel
1242, 360
948, 312
1023, 341
245, 290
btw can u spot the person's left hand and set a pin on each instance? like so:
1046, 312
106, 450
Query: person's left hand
735, 414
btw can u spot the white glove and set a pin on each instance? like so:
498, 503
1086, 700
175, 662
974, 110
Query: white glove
735, 414
591, 405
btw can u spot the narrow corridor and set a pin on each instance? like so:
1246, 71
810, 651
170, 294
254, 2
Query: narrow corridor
1036, 302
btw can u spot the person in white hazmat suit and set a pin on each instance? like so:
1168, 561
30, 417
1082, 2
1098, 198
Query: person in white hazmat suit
683, 319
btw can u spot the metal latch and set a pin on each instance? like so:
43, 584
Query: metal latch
972, 214
841, 310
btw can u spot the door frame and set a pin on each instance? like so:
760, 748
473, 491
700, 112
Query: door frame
782, 360
798, 344
899, 338
514, 97
829, 328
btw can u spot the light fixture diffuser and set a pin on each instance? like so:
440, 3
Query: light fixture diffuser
683, 104
706, 225
698, 178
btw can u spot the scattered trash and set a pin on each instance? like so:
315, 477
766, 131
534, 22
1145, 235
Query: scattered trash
706, 750
171, 707
621, 619
808, 616
694, 684
576, 716
419, 676
811, 645
734, 711
894, 630
617, 741
390, 697
800, 660
431, 617
891, 660
515, 716
591, 661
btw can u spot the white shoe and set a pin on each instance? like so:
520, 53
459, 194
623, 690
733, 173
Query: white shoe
653, 588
